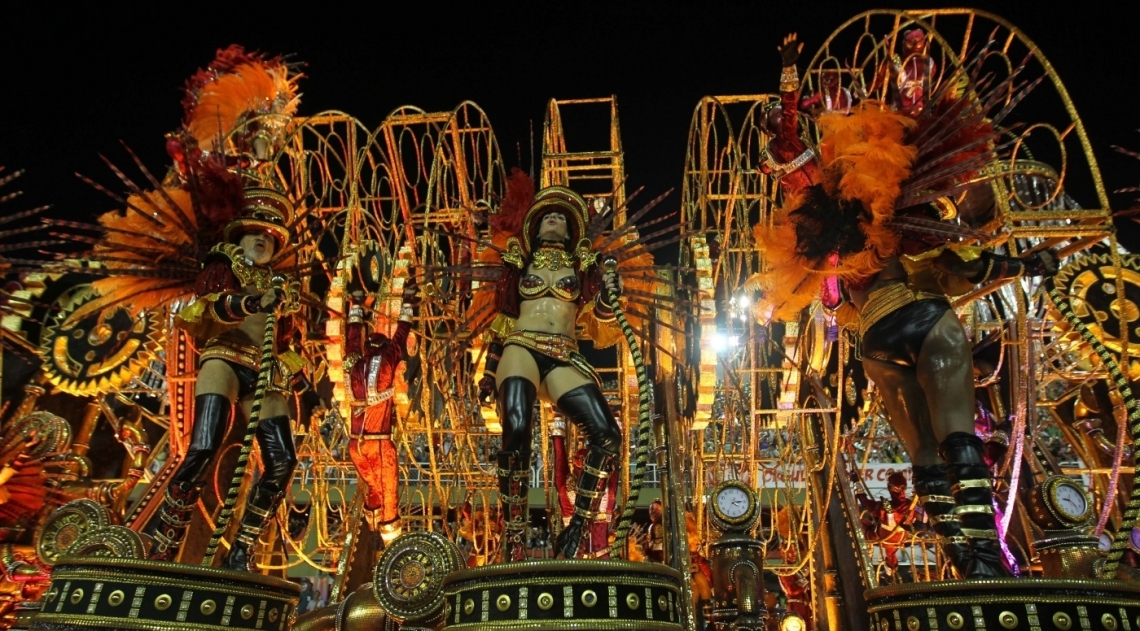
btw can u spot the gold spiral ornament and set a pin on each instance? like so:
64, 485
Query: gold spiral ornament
116, 542
66, 526
1091, 284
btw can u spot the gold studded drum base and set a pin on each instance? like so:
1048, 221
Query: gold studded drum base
115, 593
1000, 604
564, 594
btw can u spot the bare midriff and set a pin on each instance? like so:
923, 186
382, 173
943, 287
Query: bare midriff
548, 314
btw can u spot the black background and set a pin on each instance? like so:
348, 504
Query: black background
76, 81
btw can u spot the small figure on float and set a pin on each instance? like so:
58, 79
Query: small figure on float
787, 158
371, 360
480, 527
831, 97
882, 241
912, 74
797, 586
540, 277
700, 570
552, 274
656, 550
235, 294
216, 231
566, 474
889, 522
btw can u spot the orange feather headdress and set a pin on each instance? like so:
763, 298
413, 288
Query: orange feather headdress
234, 88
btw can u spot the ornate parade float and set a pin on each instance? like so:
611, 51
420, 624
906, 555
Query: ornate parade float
874, 374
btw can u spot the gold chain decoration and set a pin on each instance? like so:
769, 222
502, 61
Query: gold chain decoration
1120, 542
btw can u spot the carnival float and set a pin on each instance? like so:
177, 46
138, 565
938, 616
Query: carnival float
868, 368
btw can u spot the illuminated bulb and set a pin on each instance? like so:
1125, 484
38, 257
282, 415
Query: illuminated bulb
722, 342
743, 302
791, 622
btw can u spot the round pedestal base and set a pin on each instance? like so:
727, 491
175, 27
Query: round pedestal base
1027, 603
115, 593
566, 594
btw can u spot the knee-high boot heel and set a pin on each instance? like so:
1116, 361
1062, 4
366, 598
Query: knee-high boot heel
970, 483
211, 417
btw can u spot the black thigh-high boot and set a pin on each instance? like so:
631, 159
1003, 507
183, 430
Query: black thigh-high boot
211, 417
970, 483
516, 412
279, 457
587, 407
933, 490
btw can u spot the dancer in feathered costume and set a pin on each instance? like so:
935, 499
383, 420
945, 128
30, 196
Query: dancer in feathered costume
211, 235
541, 277
878, 220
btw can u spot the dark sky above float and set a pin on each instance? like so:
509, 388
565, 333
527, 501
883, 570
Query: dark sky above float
76, 81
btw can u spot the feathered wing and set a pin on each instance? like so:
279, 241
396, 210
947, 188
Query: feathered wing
884, 162
647, 287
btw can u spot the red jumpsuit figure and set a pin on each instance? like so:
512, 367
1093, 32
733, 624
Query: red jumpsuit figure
656, 551
371, 361
912, 76
832, 97
797, 587
596, 543
890, 522
787, 157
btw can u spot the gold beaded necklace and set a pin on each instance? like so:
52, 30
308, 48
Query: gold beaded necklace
552, 256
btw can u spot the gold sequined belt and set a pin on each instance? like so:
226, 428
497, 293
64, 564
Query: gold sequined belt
886, 300
554, 345
229, 349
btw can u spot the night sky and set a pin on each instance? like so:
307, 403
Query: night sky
76, 81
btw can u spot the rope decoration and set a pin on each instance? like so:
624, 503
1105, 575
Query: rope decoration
263, 372
1120, 542
644, 422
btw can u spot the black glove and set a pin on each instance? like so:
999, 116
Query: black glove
790, 49
412, 296
1042, 263
487, 390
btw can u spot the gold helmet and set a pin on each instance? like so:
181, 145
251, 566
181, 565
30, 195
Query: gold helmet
263, 210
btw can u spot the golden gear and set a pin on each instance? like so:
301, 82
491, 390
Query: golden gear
1091, 284
99, 351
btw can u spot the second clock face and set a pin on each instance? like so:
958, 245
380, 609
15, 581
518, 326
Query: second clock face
733, 502
1134, 538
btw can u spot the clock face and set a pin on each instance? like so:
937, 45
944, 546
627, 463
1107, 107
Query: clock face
733, 502
1134, 538
1070, 501
1105, 541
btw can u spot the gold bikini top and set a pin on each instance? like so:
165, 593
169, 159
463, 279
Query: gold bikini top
567, 288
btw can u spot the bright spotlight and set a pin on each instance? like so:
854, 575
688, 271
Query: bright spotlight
722, 343
792, 622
